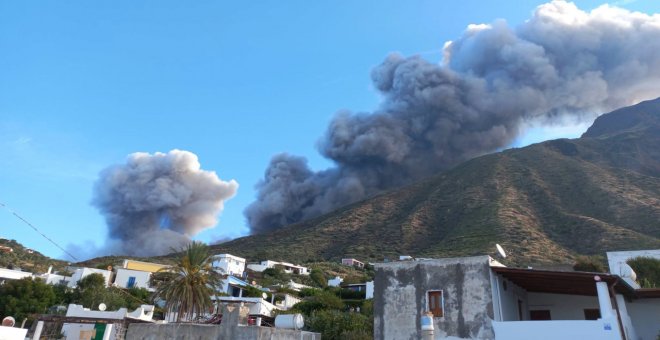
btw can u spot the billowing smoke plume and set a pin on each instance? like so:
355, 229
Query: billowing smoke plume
156, 202
492, 82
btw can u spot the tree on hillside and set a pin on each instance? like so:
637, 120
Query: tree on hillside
188, 285
20, 298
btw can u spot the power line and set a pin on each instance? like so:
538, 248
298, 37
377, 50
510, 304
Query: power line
37, 230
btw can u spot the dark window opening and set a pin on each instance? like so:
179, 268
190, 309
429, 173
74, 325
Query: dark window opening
592, 314
539, 315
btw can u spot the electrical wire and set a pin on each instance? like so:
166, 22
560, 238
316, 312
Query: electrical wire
37, 230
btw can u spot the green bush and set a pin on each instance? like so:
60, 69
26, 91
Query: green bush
589, 264
319, 279
21, 298
333, 324
322, 300
647, 270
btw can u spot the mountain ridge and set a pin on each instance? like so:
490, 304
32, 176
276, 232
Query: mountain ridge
546, 203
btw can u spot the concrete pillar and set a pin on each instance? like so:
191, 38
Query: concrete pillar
604, 301
108, 331
38, 330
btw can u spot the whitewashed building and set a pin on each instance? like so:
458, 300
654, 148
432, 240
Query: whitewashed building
229, 264
12, 274
288, 267
136, 274
54, 279
128, 278
352, 262
80, 331
80, 273
336, 282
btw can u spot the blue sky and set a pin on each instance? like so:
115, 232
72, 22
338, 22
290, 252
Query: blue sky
84, 84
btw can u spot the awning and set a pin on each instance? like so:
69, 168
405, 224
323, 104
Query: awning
558, 282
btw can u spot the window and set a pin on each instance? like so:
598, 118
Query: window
131, 282
436, 303
539, 315
592, 314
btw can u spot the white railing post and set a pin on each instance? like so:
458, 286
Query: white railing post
604, 301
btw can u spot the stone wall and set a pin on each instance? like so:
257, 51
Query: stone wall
400, 298
183, 331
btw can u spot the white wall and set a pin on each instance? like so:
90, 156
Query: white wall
370, 290
645, 317
11, 274
615, 259
55, 279
335, 282
507, 308
562, 306
256, 267
554, 330
80, 273
141, 278
229, 264
270, 264
12, 333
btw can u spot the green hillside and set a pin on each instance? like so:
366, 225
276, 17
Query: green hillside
26, 259
544, 203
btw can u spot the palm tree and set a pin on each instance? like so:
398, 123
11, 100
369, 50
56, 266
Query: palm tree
188, 285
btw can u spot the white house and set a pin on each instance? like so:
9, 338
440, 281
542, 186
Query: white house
288, 302
288, 267
81, 273
335, 282
257, 305
233, 286
298, 286
128, 278
136, 274
76, 331
229, 264
353, 263
54, 279
367, 288
11, 274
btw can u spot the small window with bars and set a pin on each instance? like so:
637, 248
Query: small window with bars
436, 303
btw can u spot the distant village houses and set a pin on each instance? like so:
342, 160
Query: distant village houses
288, 267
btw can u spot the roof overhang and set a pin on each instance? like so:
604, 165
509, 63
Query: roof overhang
558, 282
648, 293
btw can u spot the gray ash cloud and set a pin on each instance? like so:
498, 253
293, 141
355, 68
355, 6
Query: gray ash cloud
155, 202
491, 83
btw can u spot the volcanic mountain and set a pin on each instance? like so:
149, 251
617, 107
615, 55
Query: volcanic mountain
544, 203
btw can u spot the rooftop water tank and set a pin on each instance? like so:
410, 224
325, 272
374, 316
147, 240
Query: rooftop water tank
289, 321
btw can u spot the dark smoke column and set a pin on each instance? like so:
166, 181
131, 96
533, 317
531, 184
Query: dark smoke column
155, 202
493, 81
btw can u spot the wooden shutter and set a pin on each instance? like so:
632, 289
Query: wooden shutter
435, 303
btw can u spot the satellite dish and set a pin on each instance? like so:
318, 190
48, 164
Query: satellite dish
8, 321
500, 250
264, 295
102, 306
